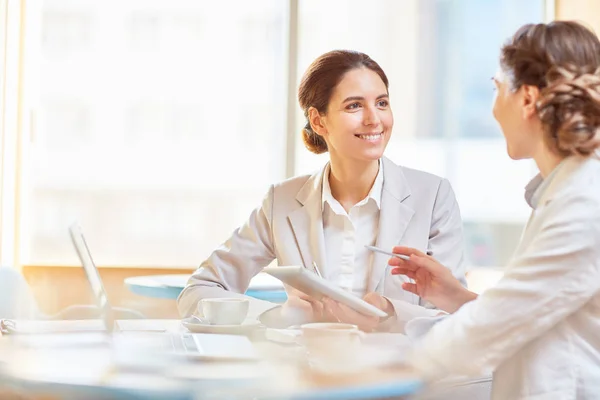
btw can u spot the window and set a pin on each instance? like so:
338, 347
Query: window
159, 125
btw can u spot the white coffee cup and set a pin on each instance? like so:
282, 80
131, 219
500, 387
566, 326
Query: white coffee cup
330, 331
331, 345
343, 349
224, 311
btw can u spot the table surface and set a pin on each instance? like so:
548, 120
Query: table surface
105, 371
262, 286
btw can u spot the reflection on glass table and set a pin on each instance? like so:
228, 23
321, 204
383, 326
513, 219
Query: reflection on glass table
132, 364
262, 286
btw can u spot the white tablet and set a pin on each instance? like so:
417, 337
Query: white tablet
311, 284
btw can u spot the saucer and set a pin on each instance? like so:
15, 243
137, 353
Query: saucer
366, 358
193, 325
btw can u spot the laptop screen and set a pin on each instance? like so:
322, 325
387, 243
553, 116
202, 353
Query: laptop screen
92, 274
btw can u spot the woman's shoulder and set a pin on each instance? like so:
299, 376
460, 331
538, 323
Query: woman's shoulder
414, 177
295, 182
291, 187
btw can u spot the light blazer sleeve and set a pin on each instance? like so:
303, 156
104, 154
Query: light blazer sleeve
552, 278
446, 240
446, 244
228, 270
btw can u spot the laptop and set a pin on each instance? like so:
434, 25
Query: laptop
204, 346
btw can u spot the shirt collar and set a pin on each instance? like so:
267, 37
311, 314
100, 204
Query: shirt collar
538, 185
374, 193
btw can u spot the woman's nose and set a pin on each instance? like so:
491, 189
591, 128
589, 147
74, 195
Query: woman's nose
370, 116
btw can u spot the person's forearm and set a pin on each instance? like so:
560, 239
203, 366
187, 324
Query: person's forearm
404, 312
462, 297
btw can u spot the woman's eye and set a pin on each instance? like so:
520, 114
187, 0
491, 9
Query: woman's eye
382, 103
352, 106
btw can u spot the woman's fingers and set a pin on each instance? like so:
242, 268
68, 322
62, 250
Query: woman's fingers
295, 301
408, 251
397, 262
376, 300
340, 311
333, 309
416, 263
425, 263
317, 307
347, 315
300, 300
410, 287
403, 271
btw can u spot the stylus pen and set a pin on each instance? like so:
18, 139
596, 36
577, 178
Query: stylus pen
389, 253
317, 270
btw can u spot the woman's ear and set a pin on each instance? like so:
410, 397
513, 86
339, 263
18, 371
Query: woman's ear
317, 122
531, 95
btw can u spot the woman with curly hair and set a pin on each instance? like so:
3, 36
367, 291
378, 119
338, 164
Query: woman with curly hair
539, 327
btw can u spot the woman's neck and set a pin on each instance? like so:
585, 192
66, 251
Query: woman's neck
546, 160
351, 180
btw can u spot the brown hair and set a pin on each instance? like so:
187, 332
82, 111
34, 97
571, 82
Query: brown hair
562, 59
319, 81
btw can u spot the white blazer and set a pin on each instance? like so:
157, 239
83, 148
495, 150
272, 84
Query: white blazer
417, 209
539, 327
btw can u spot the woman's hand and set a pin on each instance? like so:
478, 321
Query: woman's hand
343, 313
303, 307
433, 282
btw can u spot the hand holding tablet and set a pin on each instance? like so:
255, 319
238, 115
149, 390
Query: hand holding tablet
310, 283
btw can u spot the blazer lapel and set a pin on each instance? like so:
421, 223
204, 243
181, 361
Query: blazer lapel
394, 218
307, 224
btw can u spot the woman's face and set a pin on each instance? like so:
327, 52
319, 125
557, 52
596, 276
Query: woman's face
516, 114
358, 122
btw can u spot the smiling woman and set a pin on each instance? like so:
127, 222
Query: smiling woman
358, 198
349, 117
315, 99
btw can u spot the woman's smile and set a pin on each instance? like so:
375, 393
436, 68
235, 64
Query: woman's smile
370, 137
